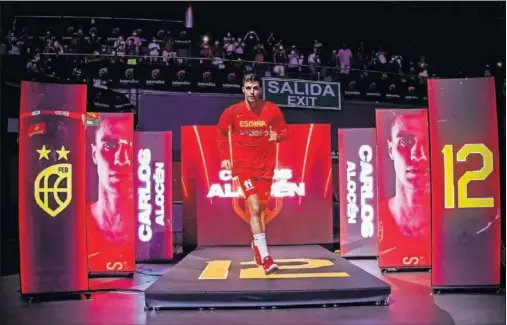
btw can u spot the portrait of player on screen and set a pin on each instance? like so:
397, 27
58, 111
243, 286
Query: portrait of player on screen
405, 222
110, 220
247, 135
408, 149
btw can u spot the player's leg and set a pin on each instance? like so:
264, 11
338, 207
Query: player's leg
259, 245
264, 191
262, 258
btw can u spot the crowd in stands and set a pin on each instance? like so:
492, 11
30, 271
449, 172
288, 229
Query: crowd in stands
165, 43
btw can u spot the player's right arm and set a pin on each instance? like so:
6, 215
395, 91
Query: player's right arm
225, 124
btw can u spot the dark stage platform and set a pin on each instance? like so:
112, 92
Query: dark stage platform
224, 277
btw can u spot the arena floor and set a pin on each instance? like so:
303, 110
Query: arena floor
411, 303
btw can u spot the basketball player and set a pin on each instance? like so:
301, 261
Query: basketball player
110, 217
255, 126
407, 214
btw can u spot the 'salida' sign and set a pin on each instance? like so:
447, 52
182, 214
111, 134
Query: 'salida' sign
302, 93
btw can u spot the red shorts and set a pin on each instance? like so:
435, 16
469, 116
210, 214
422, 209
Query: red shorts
255, 185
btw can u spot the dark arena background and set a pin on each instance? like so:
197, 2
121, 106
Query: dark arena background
388, 200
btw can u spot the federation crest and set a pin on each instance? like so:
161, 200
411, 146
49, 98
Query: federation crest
53, 188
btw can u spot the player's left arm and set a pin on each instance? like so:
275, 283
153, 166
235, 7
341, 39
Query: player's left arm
278, 124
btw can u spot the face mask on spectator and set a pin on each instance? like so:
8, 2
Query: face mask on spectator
217, 43
134, 34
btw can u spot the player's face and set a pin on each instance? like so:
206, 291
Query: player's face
409, 152
112, 153
252, 91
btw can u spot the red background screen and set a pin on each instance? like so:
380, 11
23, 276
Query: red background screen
300, 212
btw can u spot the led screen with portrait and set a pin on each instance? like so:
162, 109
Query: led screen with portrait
52, 221
403, 188
465, 174
300, 208
109, 193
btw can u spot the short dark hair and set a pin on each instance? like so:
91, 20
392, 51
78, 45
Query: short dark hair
251, 77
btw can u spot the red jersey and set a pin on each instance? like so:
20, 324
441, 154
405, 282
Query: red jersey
249, 131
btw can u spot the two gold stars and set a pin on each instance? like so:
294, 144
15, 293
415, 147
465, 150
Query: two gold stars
44, 153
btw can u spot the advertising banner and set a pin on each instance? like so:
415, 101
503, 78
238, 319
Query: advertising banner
203, 77
300, 208
357, 150
465, 177
109, 193
403, 188
153, 190
302, 93
52, 219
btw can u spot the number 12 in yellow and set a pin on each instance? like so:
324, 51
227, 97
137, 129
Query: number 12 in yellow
472, 175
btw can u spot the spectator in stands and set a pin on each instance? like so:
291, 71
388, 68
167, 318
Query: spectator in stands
154, 48
239, 48
293, 65
169, 49
136, 40
396, 64
218, 54
93, 40
280, 60
318, 47
182, 45
314, 61
332, 64
131, 48
381, 59
57, 47
344, 59
119, 46
206, 51
48, 68
251, 41
229, 47
228, 38
359, 56
14, 46
301, 63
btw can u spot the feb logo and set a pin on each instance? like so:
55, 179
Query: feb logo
53, 185
53, 197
